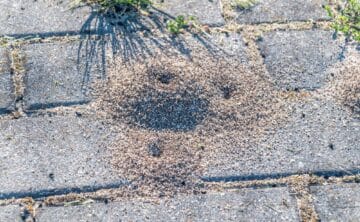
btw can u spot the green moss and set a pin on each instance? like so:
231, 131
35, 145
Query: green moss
177, 25
346, 18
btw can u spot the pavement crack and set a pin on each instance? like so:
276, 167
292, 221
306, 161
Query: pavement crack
300, 186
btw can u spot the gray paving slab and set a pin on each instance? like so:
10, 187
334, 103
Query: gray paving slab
58, 74
205, 11
319, 136
225, 46
282, 11
10, 213
232, 44
43, 155
136, 47
299, 59
7, 101
41, 16
338, 202
242, 205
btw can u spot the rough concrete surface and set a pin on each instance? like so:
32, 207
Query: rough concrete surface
205, 11
319, 136
59, 153
240, 205
282, 11
58, 74
155, 122
6, 84
43, 16
337, 202
299, 59
10, 213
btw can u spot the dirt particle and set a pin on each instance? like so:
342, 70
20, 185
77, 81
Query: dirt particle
164, 78
227, 91
163, 75
154, 150
26, 215
260, 39
52, 176
356, 107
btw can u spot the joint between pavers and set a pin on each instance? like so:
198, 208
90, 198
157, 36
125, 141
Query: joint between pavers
300, 187
254, 29
60, 191
107, 194
23, 39
34, 108
13, 42
18, 72
321, 173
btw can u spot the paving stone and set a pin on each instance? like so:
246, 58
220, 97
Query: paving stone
136, 47
242, 205
299, 59
57, 75
282, 11
319, 136
6, 87
339, 202
205, 11
45, 155
232, 44
42, 16
225, 46
10, 213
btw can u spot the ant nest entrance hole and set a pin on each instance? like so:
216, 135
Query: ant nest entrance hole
161, 75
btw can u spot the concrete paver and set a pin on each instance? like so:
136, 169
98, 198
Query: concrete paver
338, 202
6, 84
60, 153
312, 140
282, 11
299, 59
58, 74
10, 213
206, 12
42, 16
241, 205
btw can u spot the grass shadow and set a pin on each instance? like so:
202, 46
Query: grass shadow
132, 37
